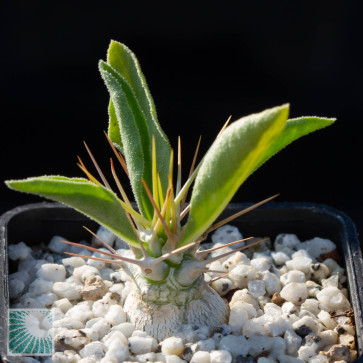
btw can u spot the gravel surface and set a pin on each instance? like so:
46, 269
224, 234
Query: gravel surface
287, 300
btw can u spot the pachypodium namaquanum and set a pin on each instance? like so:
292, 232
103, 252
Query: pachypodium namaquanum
164, 232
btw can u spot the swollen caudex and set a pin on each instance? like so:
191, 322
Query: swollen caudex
164, 297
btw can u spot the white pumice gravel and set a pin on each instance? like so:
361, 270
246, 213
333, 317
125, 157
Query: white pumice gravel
288, 305
19, 251
52, 272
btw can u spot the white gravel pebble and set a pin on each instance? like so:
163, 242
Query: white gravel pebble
99, 265
90, 333
125, 328
39, 287
237, 258
115, 315
47, 299
236, 345
93, 350
73, 261
227, 234
82, 272
172, 345
293, 342
105, 273
118, 351
66, 290
201, 357
299, 263
254, 326
237, 318
280, 257
295, 292
307, 322
288, 359
319, 271
278, 347
259, 344
101, 326
256, 288
331, 281
55, 244
22, 276
306, 352
261, 264
206, 345
81, 312
115, 334
68, 324
278, 326
100, 308
333, 298
19, 251
105, 235
220, 356
292, 276
63, 304
241, 275
265, 360
319, 359
317, 246
110, 359
222, 286
173, 359
142, 345
221, 251
311, 305
88, 360
285, 240
52, 272
16, 287
327, 320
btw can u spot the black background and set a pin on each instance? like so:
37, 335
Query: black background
203, 62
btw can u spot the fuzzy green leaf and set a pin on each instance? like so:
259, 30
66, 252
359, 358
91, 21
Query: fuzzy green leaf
294, 129
136, 137
93, 200
113, 128
124, 62
230, 160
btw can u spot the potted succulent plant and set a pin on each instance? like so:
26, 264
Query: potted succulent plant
164, 232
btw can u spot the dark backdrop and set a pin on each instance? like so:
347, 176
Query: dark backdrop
203, 62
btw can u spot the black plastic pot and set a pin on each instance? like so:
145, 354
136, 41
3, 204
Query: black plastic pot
37, 223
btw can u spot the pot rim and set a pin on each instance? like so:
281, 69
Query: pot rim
348, 238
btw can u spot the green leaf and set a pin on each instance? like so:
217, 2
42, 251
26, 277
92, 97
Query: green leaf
230, 160
113, 128
136, 134
136, 137
93, 200
123, 61
294, 129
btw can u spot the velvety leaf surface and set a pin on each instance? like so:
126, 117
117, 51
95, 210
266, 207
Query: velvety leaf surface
124, 62
136, 137
113, 128
231, 159
95, 201
294, 129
